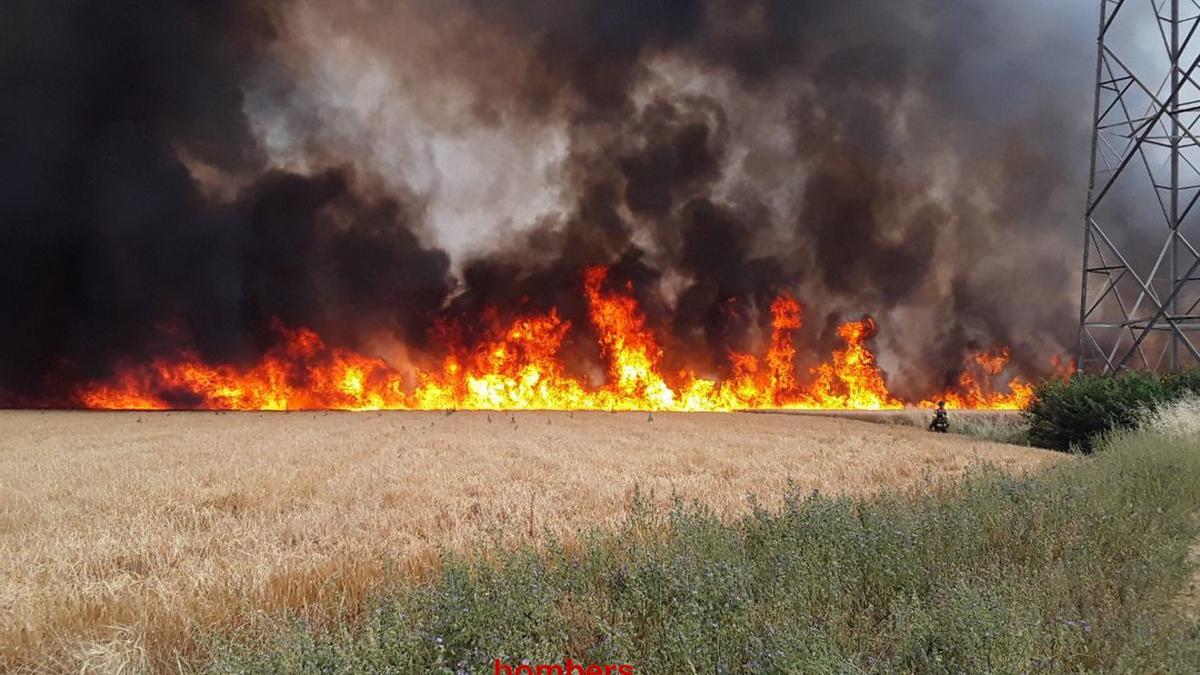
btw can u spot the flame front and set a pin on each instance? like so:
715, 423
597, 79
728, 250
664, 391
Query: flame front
519, 366
973, 388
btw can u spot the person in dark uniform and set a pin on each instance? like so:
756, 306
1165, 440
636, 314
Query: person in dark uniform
941, 422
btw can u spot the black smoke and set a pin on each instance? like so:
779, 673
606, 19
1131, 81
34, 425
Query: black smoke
109, 243
928, 175
885, 100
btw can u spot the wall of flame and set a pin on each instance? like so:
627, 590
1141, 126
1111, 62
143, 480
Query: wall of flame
520, 368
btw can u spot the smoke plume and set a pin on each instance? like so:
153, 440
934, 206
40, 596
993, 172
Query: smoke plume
185, 174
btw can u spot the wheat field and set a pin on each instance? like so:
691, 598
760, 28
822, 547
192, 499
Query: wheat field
127, 537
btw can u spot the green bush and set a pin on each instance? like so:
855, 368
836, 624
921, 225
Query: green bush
1072, 414
1069, 570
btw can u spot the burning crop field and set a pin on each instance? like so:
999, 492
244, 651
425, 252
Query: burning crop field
308, 303
307, 204
519, 366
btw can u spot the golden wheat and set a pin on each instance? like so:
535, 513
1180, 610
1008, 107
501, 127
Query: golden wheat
124, 536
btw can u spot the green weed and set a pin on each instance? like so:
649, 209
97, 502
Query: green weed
1069, 570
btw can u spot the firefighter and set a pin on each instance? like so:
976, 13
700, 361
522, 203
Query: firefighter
941, 422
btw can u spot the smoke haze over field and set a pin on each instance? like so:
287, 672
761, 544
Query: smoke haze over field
182, 174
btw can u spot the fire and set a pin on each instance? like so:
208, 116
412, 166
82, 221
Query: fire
851, 379
974, 388
519, 366
299, 372
632, 351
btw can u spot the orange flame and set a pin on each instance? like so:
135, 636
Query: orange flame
851, 379
518, 366
975, 388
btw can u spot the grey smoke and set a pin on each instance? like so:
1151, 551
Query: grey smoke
178, 175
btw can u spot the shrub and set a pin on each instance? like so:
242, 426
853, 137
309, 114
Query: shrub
1072, 414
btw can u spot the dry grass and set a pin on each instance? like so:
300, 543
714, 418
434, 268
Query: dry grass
1001, 426
1178, 419
125, 536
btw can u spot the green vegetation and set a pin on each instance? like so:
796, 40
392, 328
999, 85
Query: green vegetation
1074, 413
1073, 569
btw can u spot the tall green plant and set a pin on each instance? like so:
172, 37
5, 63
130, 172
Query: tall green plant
1073, 414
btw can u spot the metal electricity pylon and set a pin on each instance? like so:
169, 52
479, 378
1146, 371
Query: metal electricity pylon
1141, 273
